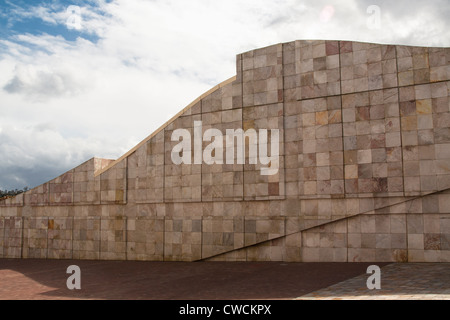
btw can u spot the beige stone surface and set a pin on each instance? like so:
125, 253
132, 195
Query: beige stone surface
364, 170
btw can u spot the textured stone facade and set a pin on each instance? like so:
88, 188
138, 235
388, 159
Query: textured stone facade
364, 170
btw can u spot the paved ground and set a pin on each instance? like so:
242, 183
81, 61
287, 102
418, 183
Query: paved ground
46, 279
412, 281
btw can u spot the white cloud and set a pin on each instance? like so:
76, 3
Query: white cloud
101, 98
39, 151
43, 83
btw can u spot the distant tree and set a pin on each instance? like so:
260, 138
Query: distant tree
11, 193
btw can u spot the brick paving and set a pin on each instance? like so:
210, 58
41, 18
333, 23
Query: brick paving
411, 281
129, 280
46, 279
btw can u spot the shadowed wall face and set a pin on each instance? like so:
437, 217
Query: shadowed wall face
363, 169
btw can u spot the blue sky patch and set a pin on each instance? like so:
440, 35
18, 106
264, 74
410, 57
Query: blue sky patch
23, 17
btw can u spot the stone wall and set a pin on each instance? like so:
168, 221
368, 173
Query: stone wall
364, 170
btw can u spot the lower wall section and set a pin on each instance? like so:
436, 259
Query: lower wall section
11, 229
364, 238
370, 237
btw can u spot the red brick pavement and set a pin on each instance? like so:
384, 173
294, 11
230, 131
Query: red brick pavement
123, 280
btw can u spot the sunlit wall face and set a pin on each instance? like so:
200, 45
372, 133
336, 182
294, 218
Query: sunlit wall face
69, 68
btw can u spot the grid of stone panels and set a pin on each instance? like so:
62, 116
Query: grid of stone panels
414, 66
440, 101
412, 139
372, 143
262, 92
445, 241
146, 172
416, 238
182, 183
290, 77
433, 240
378, 238
444, 209
262, 240
293, 149
293, 130
2, 236
366, 66
13, 202
321, 171
12, 244
183, 239
222, 182
273, 250
61, 189
222, 209
113, 184
429, 233
155, 169
193, 110
317, 211
212, 102
113, 235
425, 137
262, 76
145, 239
38, 195
412, 231
325, 243
256, 185
236, 86
283, 249
86, 238
219, 100
317, 67
221, 234
35, 238
136, 175
239, 255
83, 185
259, 229
146, 210
59, 241
86, 187
293, 239
439, 62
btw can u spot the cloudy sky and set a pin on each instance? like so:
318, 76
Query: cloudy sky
80, 79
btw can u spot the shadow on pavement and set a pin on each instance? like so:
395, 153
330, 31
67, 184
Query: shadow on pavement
124, 280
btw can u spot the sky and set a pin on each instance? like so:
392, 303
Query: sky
83, 79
